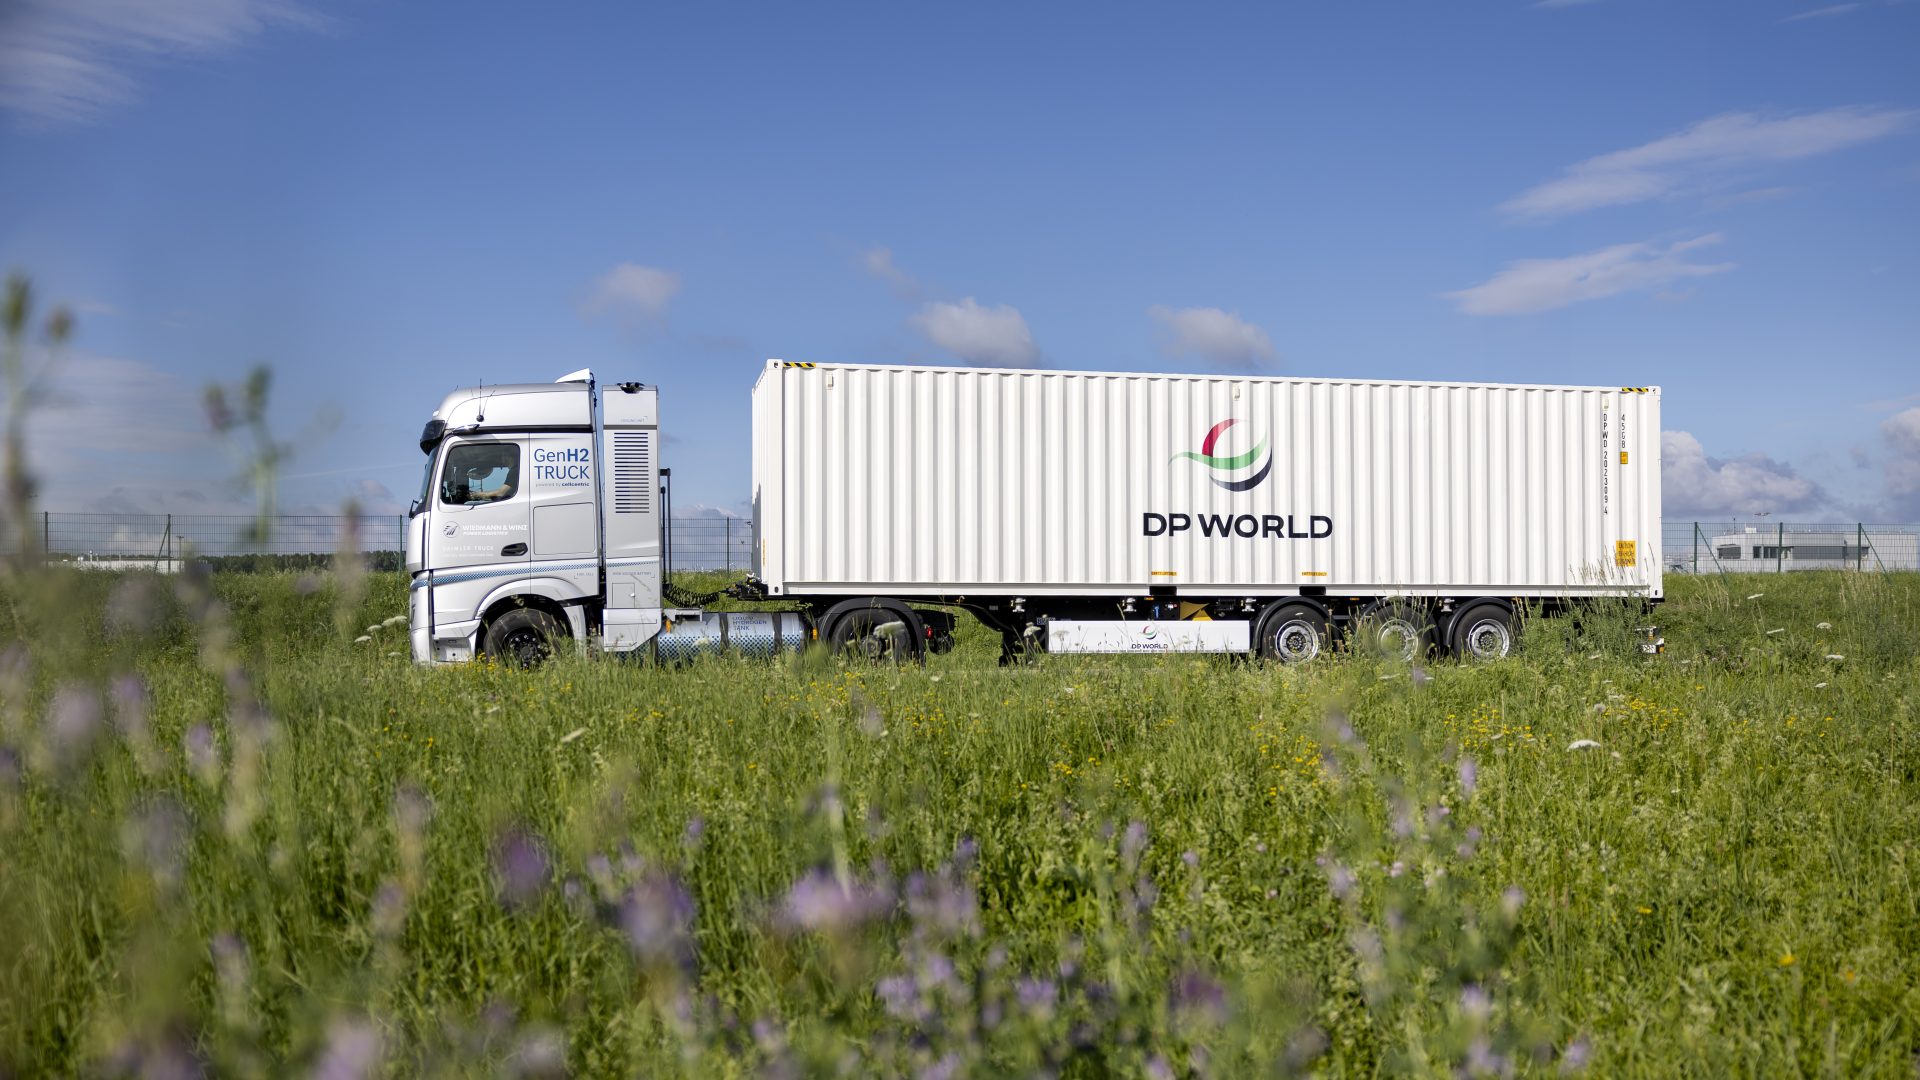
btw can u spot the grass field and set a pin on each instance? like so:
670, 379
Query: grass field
233, 838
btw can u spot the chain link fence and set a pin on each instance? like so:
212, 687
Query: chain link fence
1758, 546
714, 542
160, 541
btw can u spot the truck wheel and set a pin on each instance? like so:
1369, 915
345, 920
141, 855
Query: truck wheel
1483, 632
875, 635
523, 637
1394, 630
1292, 633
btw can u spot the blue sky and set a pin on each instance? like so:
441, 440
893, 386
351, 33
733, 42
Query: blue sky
387, 200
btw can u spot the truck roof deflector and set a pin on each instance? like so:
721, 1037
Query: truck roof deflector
585, 375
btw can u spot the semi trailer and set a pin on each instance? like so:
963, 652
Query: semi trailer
1098, 512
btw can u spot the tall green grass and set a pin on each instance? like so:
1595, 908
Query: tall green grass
232, 837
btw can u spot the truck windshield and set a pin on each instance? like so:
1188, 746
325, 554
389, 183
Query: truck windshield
426, 483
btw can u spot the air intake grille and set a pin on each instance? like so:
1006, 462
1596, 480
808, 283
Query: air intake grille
632, 472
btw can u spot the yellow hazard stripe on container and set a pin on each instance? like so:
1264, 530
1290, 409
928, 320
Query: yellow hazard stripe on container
796, 363
1166, 573
1313, 573
1636, 389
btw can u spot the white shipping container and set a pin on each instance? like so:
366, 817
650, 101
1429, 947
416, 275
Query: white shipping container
920, 481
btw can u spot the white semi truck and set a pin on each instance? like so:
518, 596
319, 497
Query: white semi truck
1069, 511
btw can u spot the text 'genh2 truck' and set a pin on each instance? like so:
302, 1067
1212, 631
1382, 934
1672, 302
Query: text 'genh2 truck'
1069, 511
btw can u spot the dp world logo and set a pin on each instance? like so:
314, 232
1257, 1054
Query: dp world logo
1224, 465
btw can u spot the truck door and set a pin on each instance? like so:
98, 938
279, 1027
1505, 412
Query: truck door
478, 534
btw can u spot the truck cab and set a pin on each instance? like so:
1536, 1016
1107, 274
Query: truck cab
537, 518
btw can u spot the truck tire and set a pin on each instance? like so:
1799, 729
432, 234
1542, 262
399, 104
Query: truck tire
876, 635
1483, 632
523, 637
1394, 630
1291, 633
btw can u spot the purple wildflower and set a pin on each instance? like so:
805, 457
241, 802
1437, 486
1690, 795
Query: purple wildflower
901, 998
74, 723
412, 809
940, 905
1200, 997
694, 833
156, 838
1340, 881
352, 1052
1469, 776
1511, 899
389, 911
1577, 1055
542, 1052
521, 868
1133, 842
1037, 997
130, 705
1475, 1003
946, 1068
819, 902
657, 917
203, 757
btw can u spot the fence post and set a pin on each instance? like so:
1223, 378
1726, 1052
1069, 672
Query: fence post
1860, 545
729, 522
1696, 547
1780, 548
46, 537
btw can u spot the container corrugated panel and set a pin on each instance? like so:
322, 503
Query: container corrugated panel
934, 481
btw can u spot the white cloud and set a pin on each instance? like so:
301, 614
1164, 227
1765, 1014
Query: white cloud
1215, 335
1693, 483
67, 61
100, 422
630, 291
1671, 165
1530, 285
1902, 433
879, 262
1823, 12
988, 336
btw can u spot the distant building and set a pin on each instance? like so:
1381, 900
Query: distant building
1767, 548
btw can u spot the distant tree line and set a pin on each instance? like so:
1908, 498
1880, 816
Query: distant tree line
267, 562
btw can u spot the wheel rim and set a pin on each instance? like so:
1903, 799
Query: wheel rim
1488, 639
1296, 641
526, 646
1397, 636
875, 641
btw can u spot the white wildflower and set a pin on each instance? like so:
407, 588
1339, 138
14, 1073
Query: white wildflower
396, 620
1781, 630
362, 640
572, 735
1593, 656
1823, 626
1599, 706
1835, 656
374, 629
1819, 686
1582, 744
1756, 596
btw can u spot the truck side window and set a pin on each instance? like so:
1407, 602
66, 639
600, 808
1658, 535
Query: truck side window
480, 473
